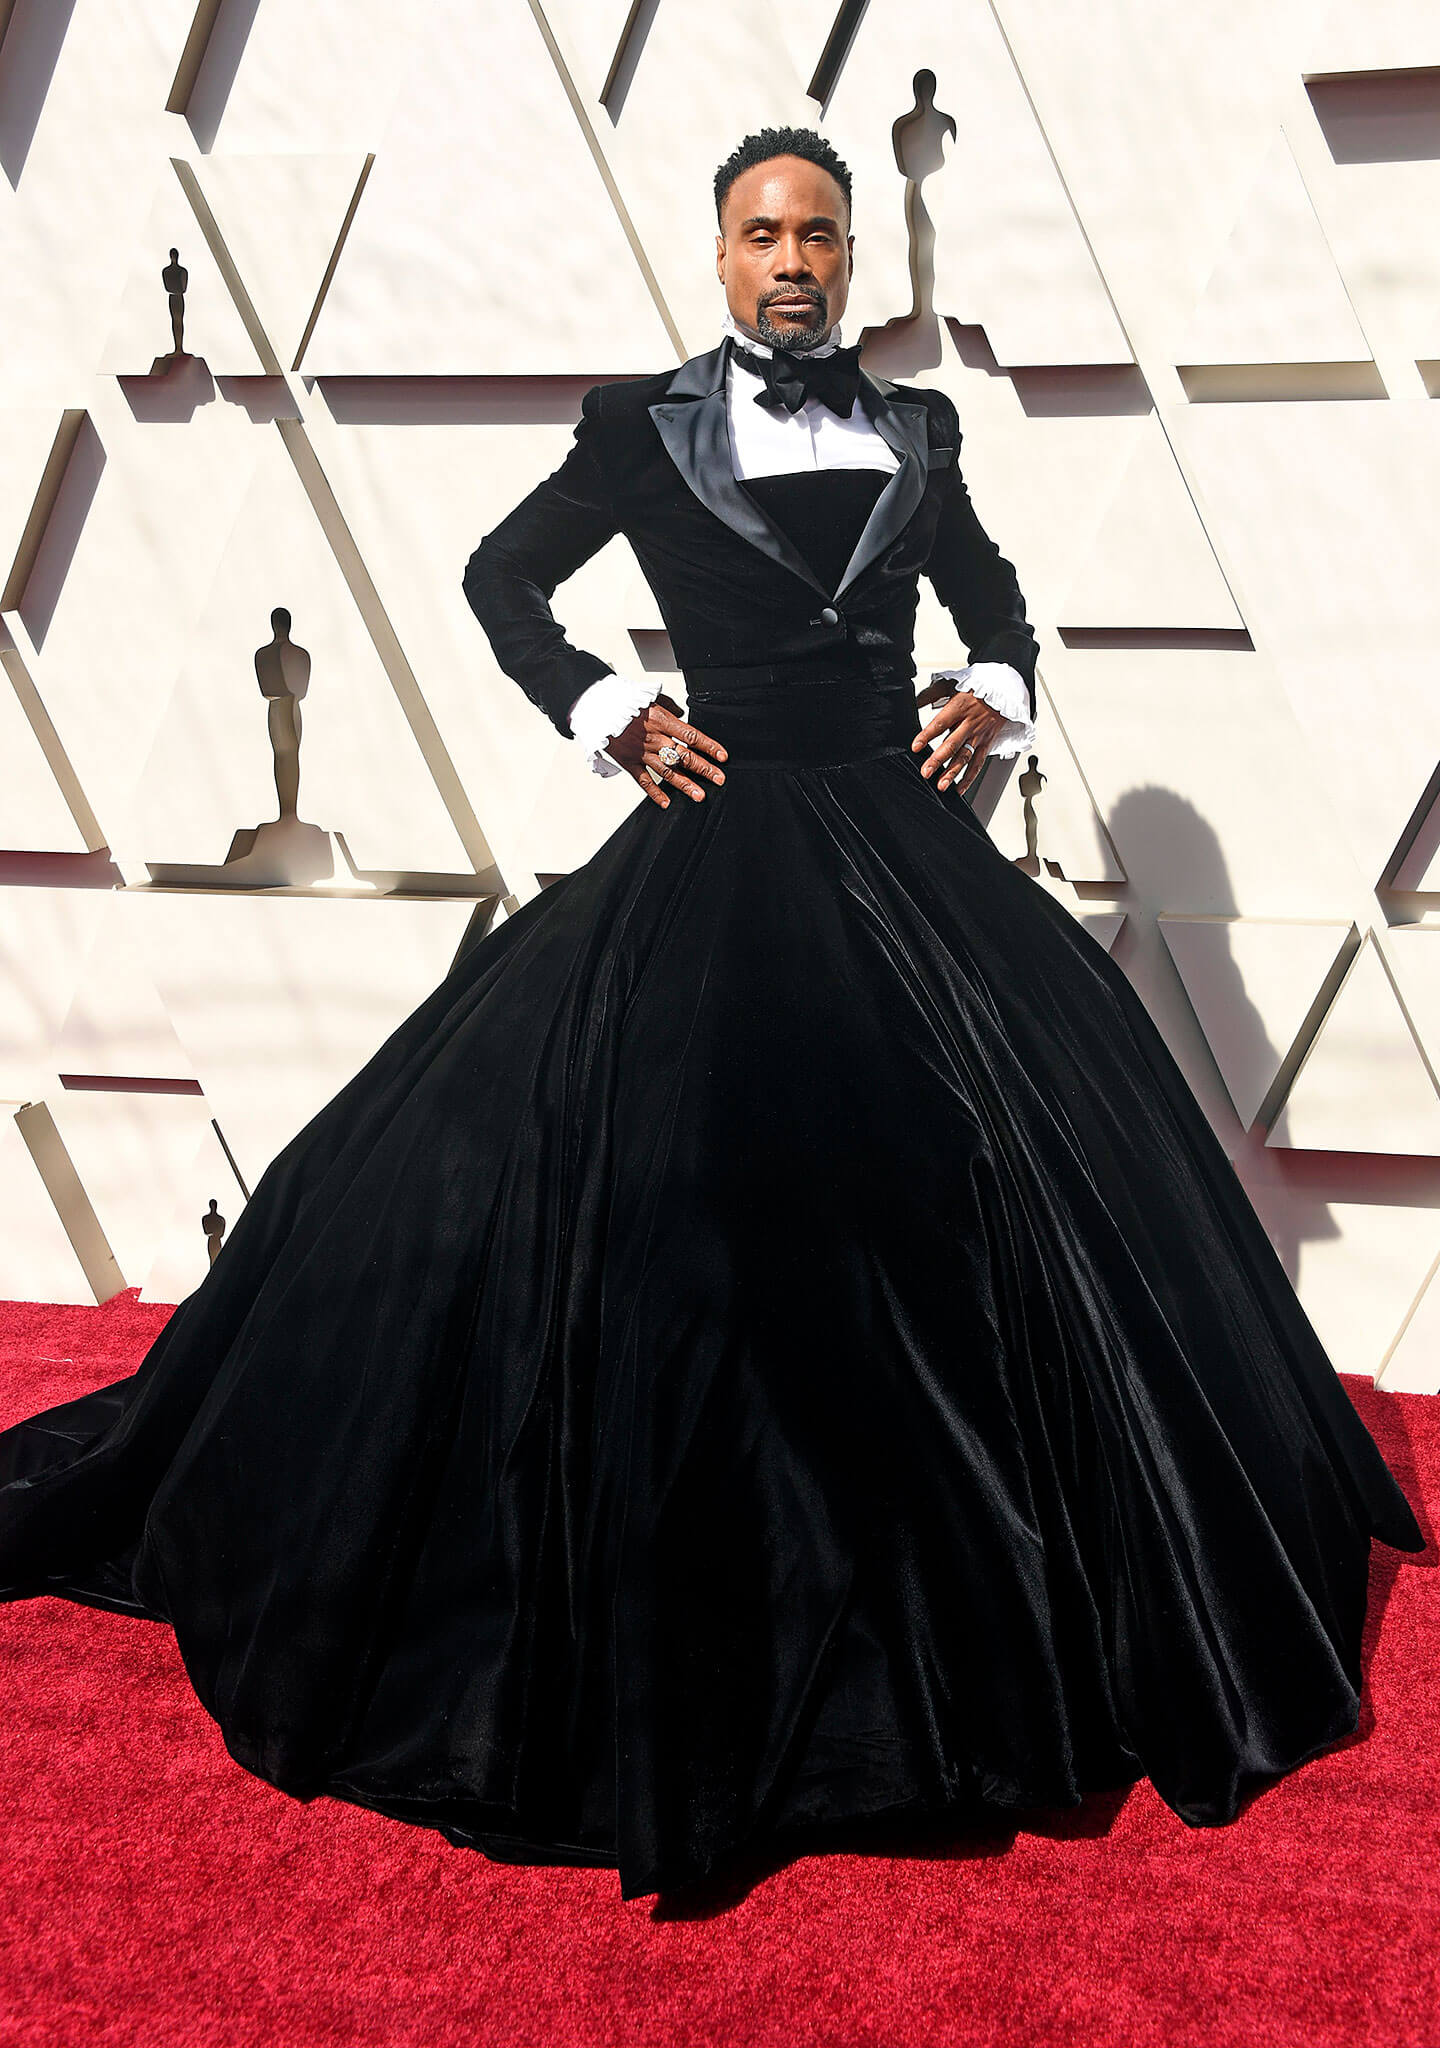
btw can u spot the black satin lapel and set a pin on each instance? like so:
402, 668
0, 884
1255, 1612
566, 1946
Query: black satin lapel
700, 373
904, 427
697, 435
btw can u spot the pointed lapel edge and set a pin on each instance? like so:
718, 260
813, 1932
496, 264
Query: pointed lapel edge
905, 428
696, 435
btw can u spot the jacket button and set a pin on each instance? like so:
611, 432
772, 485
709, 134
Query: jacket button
829, 617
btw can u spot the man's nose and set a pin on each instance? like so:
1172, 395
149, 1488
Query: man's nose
790, 258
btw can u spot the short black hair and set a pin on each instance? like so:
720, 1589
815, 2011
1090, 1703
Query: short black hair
770, 142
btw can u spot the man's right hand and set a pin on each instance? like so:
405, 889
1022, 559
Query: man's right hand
638, 745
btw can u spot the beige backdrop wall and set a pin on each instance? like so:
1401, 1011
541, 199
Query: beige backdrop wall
1177, 266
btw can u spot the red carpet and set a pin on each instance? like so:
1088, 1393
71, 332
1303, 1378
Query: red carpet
155, 1893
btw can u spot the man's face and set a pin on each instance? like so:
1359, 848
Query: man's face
785, 252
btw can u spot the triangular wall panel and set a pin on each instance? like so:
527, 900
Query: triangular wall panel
1365, 1085
1253, 985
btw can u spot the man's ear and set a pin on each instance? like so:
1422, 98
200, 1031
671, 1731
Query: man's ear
720, 258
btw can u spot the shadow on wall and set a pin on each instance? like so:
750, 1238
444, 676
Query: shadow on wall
1163, 836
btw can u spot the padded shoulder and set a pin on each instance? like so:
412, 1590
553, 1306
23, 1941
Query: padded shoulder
625, 397
944, 419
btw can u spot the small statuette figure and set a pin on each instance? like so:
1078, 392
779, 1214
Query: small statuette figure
919, 142
283, 671
285, 850
1030, 783
175, 277
213, 1225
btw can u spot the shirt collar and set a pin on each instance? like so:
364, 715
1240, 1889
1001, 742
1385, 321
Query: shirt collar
760, 348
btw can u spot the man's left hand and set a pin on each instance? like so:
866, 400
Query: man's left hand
962, 719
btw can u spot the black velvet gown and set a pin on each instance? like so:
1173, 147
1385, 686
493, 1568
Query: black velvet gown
771, 1339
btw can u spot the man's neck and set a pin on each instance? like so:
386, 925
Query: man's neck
731, 326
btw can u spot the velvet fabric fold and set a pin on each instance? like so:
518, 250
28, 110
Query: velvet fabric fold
772, 1338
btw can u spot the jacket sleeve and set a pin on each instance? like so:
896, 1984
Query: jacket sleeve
977, 586
510, 578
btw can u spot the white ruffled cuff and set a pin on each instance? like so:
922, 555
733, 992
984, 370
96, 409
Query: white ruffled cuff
606, 707
1004, 688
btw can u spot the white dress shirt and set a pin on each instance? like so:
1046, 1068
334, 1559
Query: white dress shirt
766, 441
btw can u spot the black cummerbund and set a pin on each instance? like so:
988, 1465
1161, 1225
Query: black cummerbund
807, 713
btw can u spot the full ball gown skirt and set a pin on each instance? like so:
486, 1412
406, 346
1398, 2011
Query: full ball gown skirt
771, 1339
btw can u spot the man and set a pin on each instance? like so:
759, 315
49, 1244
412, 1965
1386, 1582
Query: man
663, 461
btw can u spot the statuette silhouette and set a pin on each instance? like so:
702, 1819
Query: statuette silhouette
282, 670
175, 277
213, 1225
919, 139
1029, 785
284, 850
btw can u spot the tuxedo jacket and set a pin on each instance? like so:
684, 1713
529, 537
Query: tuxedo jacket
651, 459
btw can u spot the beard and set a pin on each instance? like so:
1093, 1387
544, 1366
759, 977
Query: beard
796, 339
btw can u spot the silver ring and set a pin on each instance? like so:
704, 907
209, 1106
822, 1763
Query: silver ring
669, 754
968, 745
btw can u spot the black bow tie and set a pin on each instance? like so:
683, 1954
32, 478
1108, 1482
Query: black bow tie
790, 379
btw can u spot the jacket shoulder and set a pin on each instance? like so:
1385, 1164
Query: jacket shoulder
944, 419
624, 398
